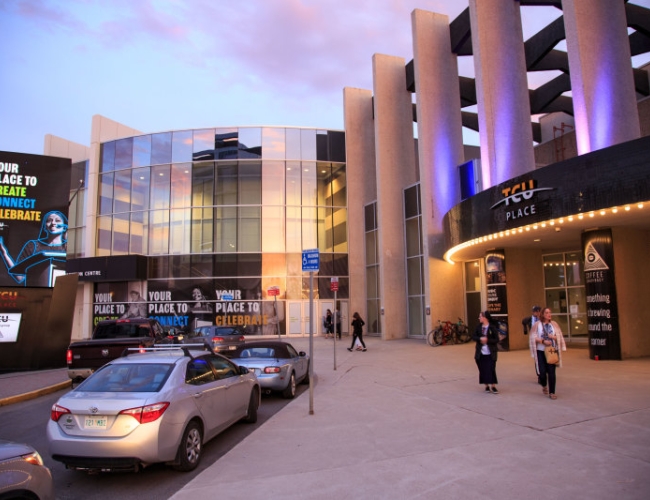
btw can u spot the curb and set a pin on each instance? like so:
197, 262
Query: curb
35, 394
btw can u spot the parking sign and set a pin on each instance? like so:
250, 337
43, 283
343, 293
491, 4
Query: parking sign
310, 260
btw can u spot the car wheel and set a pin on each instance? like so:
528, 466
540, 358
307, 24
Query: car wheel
190, 449
253, 404
290, 391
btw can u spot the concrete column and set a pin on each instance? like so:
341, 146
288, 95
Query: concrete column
396, 169
440, 151
502, 90
361, 185
602, 81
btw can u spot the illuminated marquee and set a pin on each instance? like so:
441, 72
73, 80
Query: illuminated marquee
518, 193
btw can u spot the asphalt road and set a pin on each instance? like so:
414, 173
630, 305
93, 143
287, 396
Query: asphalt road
25, 422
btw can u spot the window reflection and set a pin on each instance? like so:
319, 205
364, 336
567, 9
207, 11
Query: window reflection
142, 151
106, 194
226, 143
273, 142
122, 191
138, 230
140, 181
204, 144
160, 187
292, 144
181, 179
181, 146
250, 143
161, 148
108, 157
123, 153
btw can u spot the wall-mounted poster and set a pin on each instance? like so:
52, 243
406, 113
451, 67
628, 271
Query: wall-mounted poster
34, 192
497, 300
9, 326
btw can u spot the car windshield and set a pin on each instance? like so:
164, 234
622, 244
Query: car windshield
132, 377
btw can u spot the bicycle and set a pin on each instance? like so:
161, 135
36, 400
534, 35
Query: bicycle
449, 333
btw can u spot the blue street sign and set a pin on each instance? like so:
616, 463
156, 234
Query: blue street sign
310, 260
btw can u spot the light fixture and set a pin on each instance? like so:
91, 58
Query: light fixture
627, 208
570, 218
615, 210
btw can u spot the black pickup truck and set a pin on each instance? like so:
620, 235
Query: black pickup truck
108, 342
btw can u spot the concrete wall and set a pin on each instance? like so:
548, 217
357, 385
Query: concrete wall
361, 186
632, 269
525, 289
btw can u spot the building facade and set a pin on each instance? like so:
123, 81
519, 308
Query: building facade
508, 225
197, 227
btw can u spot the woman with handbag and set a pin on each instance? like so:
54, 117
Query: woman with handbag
546, 345
486, 337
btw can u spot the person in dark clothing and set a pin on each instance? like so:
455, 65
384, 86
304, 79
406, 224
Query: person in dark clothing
357, 331
486, 337
337, 315
529, 321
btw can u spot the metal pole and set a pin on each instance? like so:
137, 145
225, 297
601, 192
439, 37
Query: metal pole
275, 310
311, 342
335, 332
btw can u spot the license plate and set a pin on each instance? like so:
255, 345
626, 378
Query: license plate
95, 422
232, 347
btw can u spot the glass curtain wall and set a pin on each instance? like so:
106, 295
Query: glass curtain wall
414, 262
233, 205
373, 300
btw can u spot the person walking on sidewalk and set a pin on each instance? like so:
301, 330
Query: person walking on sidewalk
486, 337
546, 332
357, 331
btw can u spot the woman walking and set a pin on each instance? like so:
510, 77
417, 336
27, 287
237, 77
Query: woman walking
487, 340
357, 331
546, 332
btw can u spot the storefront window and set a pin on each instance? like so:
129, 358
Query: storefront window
565, 293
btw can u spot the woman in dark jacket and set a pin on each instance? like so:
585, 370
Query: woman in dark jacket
486, 337
357, 331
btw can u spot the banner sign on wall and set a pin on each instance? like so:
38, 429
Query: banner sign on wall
34, 192
495, 270
186, 305
600, 289
9, 326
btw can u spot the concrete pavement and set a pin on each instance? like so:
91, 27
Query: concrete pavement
405, 420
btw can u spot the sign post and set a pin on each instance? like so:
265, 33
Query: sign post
334, 286
311, 263
274, 291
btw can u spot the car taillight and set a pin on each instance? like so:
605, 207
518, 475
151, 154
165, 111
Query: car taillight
242, 338
142, 349
217, 339
57, 412
272, 369
68, 356
145, 414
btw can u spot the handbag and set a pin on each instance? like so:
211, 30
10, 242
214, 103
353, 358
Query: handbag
551, 354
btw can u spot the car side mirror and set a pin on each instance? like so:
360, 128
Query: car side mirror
243, 370
302, 354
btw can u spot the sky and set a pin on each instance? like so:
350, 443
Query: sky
158, 65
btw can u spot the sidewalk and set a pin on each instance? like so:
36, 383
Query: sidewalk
405, 420
21, 386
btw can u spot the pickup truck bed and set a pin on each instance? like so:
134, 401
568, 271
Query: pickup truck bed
110, 339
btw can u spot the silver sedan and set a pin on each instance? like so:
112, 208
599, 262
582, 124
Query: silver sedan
278, 366
22, 473
158, 406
